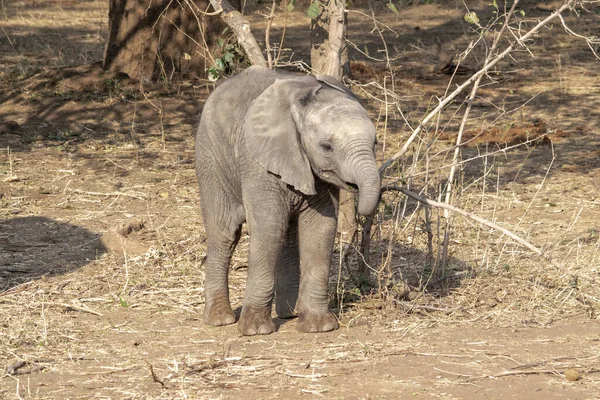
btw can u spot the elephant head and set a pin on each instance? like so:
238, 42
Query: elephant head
305, 126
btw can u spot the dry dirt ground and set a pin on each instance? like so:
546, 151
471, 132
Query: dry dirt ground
101, 241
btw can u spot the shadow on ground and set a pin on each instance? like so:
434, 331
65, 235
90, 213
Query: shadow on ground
33, 247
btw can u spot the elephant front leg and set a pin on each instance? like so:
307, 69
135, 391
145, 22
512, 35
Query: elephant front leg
316, 236
267, 226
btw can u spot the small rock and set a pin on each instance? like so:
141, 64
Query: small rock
572, 375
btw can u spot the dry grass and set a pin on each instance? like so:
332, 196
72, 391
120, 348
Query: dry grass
92, 308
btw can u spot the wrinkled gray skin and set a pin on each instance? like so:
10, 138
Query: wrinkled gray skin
273, 149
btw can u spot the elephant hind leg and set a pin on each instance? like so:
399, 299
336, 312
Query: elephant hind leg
223, 233
287, 274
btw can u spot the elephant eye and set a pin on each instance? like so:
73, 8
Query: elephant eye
326, 146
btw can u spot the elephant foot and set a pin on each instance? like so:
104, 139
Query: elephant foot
218, 314
322, 322
255, 323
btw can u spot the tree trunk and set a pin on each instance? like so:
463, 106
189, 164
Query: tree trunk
153, 39
328, 50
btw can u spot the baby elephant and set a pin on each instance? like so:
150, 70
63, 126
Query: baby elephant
273, 149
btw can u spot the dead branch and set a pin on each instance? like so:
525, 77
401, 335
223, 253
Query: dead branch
241, 28
520, 42
474, 217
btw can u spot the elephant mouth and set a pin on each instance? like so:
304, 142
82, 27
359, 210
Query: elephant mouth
351, 187
332, 177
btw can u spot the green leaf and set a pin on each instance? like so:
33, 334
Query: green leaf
219, 64
228, 58
313, 10
522, 13
123, 303
220, 42
472, 18
291, 5
213, 74
392, 7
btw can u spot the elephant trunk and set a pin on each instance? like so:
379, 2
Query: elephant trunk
365, 175
369, 188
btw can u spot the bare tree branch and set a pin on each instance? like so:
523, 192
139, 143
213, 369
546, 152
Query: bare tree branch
519, 42
467, 112
474, 217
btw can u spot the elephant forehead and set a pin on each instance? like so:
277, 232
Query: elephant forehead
351, 127
339, 103
341, 111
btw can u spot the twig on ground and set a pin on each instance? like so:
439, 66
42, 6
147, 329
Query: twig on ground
311, 376
75, 307
139, 196
154, 376
23, 286
408, 306
11, 369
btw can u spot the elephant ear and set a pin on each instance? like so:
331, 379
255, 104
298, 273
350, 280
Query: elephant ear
334, 83
271, 135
